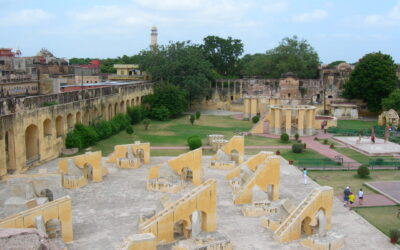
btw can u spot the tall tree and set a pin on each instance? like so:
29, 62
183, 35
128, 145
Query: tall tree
182, 64
291, 55
392, 101
223, 54
373, 78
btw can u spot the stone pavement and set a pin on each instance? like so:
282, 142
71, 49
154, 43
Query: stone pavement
390, 189
209, 147
371, 200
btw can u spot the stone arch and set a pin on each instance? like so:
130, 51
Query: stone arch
47, 193
181, 229
109, 116
116, 108
59, 126
187, 174
78, 117
10, 151
47, 127
95, 114
88, 171
103, 112
137, 100
121, 107
306, 228
133, 102
70, 121
32, 143
53, 228
234, 155
85, 118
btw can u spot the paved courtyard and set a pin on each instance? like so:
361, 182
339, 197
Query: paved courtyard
390, 189
107, 212
365, 146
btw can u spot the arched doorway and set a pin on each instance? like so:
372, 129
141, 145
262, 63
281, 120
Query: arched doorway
47, 127
181, 230
137, 100
121, 107
32, 143
88, 171
78, 117
133, 102
109, 117
59, 126
70, 121
53, 228
10, 151
235, 155
187, 174
115, 108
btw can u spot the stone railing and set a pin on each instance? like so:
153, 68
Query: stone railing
13, 105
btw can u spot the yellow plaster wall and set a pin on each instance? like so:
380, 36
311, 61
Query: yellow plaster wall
269, 174
60, 209
191, 160
235, 143
140, 242
121, 150
202, 198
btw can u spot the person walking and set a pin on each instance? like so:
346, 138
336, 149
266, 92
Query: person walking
305, 176
346, 194
360, 197
351, 200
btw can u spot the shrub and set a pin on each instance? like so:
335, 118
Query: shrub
146, 123
49, 103
192, 118
104, 129
245, 119
332, 145
379, 161
326, 141
394, 235
284, 137
297, 148
136, 114
304, 145
121, 121
278, 152
81, 137
160, 113
255, 119
363, 171
73, 141
198, 115
129, 130
194, 142
296, 136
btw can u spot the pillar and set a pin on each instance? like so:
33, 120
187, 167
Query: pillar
253, 108
246, 107
288, 121
271, 123
241, 88
65, 216
300, 125
309, 122
229, 90
277, 119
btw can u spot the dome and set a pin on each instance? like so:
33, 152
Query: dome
344, 67
44, 53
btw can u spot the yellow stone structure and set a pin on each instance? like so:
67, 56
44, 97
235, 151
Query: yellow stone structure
60, 209
230, 154
172, 177
89, 167
146, 241
266, 177
127, 72
389, 117
130, 155
32, 134
258, 105
178, 215
312, 214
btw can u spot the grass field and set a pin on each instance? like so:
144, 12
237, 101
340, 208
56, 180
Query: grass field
383, 218
357, 156
340, 179
355, 124
175, 133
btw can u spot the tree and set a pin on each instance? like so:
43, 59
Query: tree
194, 142
182, 64
373, 79
335, 63
291, 55
198, 115
223, 54
167, 96
392, 101
192, 119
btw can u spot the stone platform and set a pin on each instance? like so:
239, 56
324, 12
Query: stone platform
107, 212
365, 146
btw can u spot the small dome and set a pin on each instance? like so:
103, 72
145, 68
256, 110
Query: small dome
344, 67
45, 53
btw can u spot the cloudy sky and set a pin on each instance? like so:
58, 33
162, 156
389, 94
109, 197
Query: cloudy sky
337, 29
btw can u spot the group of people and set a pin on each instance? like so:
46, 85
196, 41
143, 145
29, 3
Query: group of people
349, 197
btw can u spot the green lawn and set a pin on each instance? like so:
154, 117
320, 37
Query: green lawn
175, 132
357, 156
383, 218
355, 124
340, 179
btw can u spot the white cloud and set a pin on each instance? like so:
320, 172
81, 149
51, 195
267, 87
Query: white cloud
167, 5
24, 17
388, 19
315, 15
